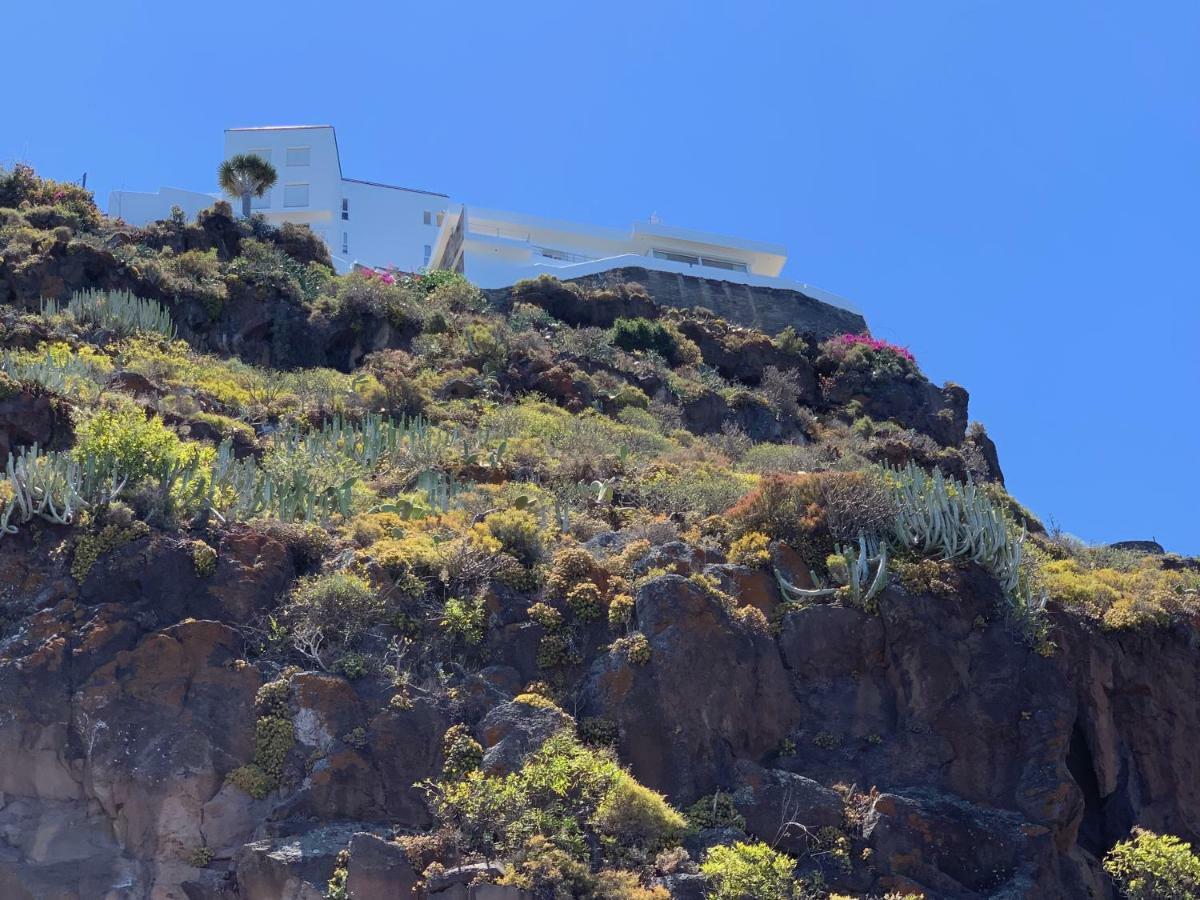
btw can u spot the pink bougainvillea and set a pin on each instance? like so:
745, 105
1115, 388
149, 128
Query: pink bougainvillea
850, 340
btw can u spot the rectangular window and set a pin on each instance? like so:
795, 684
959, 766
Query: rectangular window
263, 202
710, 262
428, 253
428, 217
729, 264
440, 217
345, 210
345, 242
261, 154
297, 156
295, 195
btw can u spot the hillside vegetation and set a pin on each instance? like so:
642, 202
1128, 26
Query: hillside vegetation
574, 595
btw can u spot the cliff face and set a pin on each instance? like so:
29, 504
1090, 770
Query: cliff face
372, 587
979, 768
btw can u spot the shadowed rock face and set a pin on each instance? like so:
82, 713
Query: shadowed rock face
996, 771
770, 310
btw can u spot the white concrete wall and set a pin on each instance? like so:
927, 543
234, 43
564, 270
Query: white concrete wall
552, 238
322, 175
386, 225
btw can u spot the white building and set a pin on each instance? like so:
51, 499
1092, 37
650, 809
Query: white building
360, 221
383, 225
497, 249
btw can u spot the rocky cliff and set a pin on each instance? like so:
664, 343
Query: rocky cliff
365, 587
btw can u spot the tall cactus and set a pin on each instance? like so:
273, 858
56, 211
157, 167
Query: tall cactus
944, 517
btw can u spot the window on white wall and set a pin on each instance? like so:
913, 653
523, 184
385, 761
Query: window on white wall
263, 202
263, 153
428, 253
345, 210
345, 242
295, 195
297, 156
440, 217
428, 217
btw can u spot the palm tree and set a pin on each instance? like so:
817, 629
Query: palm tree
246, 175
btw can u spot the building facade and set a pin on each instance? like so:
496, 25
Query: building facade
362, 222
387, 226
496, 249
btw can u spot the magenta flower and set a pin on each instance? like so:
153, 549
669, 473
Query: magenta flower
847, 341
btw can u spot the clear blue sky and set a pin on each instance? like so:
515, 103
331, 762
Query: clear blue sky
1010, 188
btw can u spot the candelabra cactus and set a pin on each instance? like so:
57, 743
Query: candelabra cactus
119, 311
944, 517
51, 486
855, 569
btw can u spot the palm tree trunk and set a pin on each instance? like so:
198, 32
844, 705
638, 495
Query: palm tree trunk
246, 205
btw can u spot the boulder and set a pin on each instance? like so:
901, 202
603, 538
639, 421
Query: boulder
954, 849
29, 418
783, 809
292, 867
511, 731
379, 870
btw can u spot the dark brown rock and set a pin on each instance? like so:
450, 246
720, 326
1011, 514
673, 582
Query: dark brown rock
784, 809
511, 731
379, 870
30, 418
712, 691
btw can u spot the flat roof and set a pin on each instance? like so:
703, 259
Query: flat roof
644, 229
396, 187
275, 127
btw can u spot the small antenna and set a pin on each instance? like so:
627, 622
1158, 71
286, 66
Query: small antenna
654, 219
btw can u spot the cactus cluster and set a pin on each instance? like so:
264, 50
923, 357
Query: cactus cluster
56, 373
863, 573
119, 311
51, 486
940, 516
240, 489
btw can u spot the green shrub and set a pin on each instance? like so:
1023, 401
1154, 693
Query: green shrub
94, 544
204, 559
21, 184
545, 615
124, 442
461, 753
585, 601
751, 549
340, 607
360, 295
1154, 867
274, 737
620, 611
266, 272
661, 338
715, 811
547, 870
634, 647
519, 534
745, 871
562, 792
632, 815
465, 619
